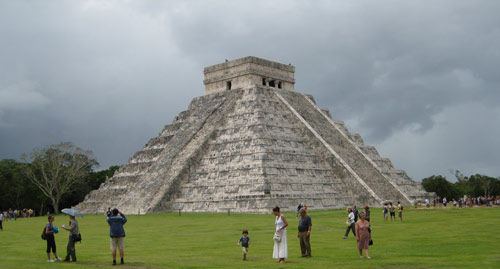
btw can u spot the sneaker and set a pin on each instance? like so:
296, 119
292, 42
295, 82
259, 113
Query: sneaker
50, 260
114, 262
122, 262
345, 237
58, 259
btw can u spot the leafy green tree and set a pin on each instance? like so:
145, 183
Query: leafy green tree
440, 186
56, 168
91, 182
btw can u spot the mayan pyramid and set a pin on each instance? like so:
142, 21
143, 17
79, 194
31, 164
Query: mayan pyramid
250, 143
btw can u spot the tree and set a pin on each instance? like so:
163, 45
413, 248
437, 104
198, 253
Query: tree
440, 186
56, 168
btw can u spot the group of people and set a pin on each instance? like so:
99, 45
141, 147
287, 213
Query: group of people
359, 224
390, 209
115, 219
14, 214
51, 230
466, 201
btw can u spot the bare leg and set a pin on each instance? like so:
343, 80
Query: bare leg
367, 255
360, 253
114, 255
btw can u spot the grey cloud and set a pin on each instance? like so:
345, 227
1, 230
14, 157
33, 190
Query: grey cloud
108, 75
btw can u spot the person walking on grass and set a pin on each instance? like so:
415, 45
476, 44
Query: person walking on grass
350, 223
392, 211
385, 211
400, 211
73, 232
245, 243
50, 230
367, 213
117, 233
1, 220
363, 235
280, 250
304, 233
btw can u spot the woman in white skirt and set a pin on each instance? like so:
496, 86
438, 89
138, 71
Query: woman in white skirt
280, 250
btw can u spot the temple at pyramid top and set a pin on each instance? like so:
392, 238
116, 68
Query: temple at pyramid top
247, 72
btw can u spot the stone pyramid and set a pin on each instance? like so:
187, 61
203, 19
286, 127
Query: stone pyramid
250, 143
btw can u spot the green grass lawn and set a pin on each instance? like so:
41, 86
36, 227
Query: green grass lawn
454, 238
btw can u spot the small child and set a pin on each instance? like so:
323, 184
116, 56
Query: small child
245, 241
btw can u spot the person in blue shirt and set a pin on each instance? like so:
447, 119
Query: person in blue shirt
117, 233
245, 242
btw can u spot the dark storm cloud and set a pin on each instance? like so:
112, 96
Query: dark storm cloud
418, 80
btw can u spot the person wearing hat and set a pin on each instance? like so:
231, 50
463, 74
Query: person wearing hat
367, 213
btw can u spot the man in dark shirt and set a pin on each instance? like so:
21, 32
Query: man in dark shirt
304, 233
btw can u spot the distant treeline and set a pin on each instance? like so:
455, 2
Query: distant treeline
474, 186
18, 192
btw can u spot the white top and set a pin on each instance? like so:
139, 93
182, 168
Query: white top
351, 217
279, 223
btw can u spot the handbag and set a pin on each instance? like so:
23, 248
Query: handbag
277, 236
44, 235
77, 238
370, 243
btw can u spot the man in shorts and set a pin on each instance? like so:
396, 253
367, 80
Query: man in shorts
117, 233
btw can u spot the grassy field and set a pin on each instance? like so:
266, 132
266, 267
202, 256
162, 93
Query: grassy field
453, 238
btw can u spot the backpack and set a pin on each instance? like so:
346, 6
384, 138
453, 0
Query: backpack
44, 235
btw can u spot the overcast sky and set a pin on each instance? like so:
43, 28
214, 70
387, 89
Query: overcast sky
419, 80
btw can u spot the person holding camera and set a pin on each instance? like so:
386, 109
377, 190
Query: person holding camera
117, 233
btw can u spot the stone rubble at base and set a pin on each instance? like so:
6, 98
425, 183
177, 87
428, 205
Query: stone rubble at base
250, 143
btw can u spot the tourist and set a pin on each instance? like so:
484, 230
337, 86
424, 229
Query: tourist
400, 211
50, 230
73, 233
109, 213
280, 250
304, 233
15, 214
350, 223
1, 220
392, 211
367, 213
385, 212
427, 202
298, 209
445, 201
117, 233
355, 211
363, 235
245, 243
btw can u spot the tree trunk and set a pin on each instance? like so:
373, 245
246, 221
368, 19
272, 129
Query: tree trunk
41, 209
55, 204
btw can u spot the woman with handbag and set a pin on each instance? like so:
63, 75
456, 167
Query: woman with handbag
73, 232
280, 250
363, 235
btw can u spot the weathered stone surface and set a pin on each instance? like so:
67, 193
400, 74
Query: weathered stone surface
250, 148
